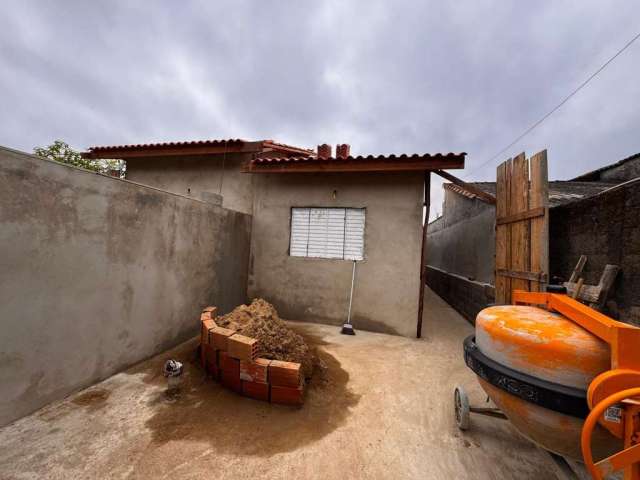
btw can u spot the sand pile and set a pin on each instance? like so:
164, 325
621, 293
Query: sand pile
277, 341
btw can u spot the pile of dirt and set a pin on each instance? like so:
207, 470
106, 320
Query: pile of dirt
260, 320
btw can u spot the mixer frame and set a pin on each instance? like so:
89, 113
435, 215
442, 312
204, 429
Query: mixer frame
613, 395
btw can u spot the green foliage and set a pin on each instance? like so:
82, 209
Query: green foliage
61, 152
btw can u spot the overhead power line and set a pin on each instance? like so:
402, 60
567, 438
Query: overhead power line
554, 109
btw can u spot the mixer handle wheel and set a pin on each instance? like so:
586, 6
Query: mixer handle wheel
628, 456
461, 405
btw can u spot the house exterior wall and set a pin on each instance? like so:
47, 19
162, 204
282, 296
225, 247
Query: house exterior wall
98, 273
198, 177
311, 289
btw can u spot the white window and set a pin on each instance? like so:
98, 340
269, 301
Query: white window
327, 233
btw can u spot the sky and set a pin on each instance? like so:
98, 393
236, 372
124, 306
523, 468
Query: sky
384, 76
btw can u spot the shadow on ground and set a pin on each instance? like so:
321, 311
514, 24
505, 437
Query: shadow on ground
205, 411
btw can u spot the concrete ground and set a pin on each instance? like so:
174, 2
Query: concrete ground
382, 409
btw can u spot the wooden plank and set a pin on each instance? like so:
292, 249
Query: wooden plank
519, 217
576, 291
523, 275
502, 241
606, 283
577, 270
366, 165
468, 187
539, 199
588, 293
596, 295
423, 253
520, 234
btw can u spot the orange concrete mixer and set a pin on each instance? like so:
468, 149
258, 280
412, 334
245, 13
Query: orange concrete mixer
566, 376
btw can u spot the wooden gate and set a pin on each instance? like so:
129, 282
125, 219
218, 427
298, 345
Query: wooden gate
522, 225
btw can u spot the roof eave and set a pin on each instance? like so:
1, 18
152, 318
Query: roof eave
271, 146
366, 164
167, 150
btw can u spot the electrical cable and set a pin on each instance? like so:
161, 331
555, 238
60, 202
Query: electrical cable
552, 111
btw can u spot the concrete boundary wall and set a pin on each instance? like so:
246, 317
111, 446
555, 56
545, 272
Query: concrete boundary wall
98, 273
467, 296
466, 244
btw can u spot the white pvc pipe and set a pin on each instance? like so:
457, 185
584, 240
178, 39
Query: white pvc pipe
353, 277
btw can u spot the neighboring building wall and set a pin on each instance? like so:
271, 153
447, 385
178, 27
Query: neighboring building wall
605, 228
622, 171
461, 254
312, 289
198, 177
98, 273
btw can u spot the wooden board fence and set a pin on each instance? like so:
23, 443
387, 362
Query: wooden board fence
522, 225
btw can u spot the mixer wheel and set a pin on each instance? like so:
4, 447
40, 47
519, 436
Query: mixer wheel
461, 406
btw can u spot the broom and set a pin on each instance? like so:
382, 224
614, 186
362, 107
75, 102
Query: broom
347, 328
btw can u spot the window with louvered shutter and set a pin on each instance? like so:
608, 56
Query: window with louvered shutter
327, 233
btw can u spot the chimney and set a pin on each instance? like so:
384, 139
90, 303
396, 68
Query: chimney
343, 150
324, 151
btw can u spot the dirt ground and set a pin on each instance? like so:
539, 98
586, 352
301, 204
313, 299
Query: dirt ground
381, 409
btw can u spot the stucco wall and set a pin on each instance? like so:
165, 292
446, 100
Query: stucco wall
462, 241
311, 289
98, 273
197, 177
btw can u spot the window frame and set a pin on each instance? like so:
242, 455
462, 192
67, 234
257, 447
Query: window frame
307, 256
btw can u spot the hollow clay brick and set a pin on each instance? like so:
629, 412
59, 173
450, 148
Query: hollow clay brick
229, 364
212, 311
256, 371
287, 395
284, 374
206, 327
212, 365
242, 347
220, 336
257, 390
231, 382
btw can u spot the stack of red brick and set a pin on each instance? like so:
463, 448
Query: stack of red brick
231, 359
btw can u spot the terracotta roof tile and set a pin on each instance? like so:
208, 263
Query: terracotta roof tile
288, 148
188, 143
197, 147
361, 163
359, 158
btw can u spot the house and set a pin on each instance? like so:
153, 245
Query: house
200, 169
595, 214
313, 216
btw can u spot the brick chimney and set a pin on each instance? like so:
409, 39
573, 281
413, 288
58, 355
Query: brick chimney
324, 151
343, 150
